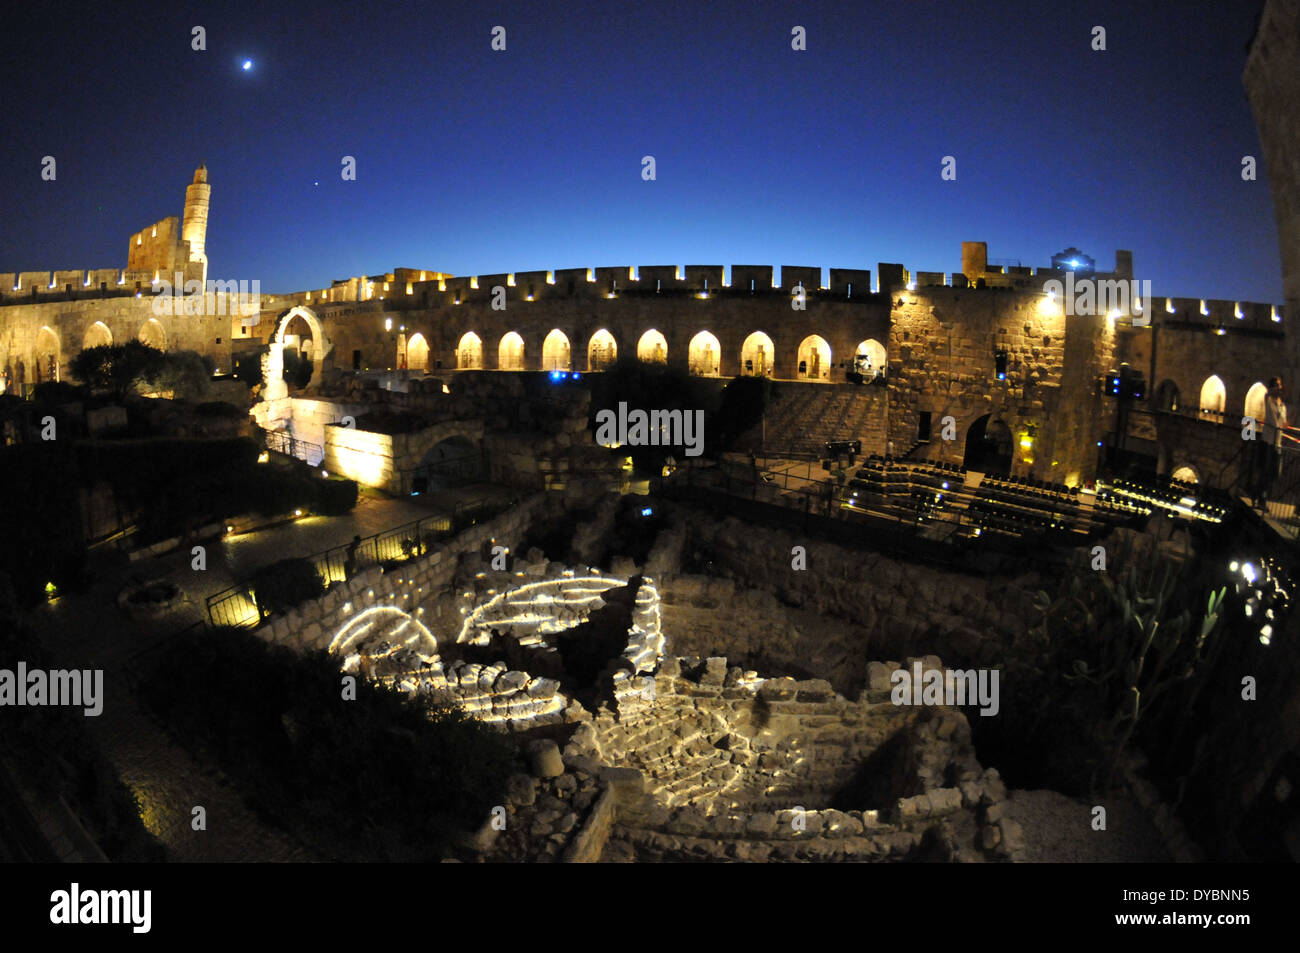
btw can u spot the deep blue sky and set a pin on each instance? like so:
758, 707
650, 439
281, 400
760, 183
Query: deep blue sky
471, 161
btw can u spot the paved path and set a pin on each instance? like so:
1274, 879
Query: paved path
87, 630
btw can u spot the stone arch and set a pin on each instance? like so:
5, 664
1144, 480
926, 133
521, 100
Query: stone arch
1185, 474
870, 358
1255, 398
602, 350
1168, 397
988, 447
653, 346
273, 362
417, 353
814, 359
152, 334
1213, 397
704, 356
46, 359
510, 352
756, 355
555, 351
455, 460
469, 352
97, 335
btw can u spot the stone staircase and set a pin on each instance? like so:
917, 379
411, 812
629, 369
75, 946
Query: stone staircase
805, 416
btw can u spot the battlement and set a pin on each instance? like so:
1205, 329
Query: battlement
437, 289
26, 287
430, 288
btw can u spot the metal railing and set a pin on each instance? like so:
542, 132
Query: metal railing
237, 606
282, 441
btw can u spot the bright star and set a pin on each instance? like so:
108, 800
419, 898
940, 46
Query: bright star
248, 64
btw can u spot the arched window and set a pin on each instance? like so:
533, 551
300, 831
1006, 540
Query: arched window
1213, 398
653, 346
555, 351
510, 352
705, 355
1255, 398
1185, 475
756, 355
417, 353
602, 350
815, 358
98, 335
870, 359
469, 353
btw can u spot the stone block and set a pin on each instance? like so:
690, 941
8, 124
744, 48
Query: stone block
544, 758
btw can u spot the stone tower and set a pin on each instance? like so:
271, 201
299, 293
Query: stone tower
194, 227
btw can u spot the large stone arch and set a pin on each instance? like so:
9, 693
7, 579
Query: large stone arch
273, 363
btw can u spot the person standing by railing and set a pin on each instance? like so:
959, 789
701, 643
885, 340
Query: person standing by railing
1269, 449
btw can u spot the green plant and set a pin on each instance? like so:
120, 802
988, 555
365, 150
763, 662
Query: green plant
1130, 637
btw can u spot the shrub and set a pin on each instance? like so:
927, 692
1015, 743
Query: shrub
287, 583
378, 778
335, 497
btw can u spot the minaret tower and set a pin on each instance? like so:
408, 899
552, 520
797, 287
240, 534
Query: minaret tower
194, 227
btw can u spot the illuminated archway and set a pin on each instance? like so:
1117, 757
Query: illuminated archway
756, 355
273, 360
1213, 397
814, 359
97, 335
469, 352
417, 353
510, 352
602, 350
1255, 398
653, 346
46, 358
870, 358
1185, 474
152, 334
705, 355
555, 351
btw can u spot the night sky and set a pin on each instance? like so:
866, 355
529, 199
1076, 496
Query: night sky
471, 161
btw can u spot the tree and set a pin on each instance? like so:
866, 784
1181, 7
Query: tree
117, 368
185, 374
